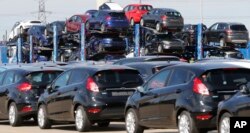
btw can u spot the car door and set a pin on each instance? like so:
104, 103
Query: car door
149, 101
212, 33
147, 18
219, 30
243, 105
55, 100
69, 92
177, 83
2, 96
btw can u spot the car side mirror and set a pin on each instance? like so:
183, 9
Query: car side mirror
140, 89
245, 88
51, 89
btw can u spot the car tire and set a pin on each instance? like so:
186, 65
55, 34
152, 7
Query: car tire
42, 118
103, 124
14, 118
142, 22
81, 120
132, 122
158, 27
224, 123
186, 123
222, 42
160, 48
103, 28
132, 22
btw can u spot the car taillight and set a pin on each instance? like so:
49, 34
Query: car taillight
24, 87
229, 31
94, 110
200, 88
26, 109
203, 117
164, 18
91, 85
108, 18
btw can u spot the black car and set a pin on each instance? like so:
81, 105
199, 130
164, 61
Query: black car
163, 43
104, 43
146, 59
89, 95
60, 25
189, 34
163, 19
227, 34
236, 106
147, 69
106, 21
20, 89
184, 96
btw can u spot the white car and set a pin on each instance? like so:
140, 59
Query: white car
110, 6
22, 27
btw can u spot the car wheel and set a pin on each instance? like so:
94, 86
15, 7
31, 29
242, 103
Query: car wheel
42, 118
103, 124
103, 28
132, 22
81, 120
146, 51
224, 123
222, 42
14, 118
158, 27
160, 49
142, 22
132, 122
186, 42
186, 123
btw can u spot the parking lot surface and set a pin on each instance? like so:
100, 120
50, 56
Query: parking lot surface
115, 127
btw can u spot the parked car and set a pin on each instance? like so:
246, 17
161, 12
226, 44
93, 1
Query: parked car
163, 19
108, 21
89, 95
146, 59
20, 89
110, 6
60, 25
236, 106
227, 34
184, 96
134, 12
189, 34
105, 43
147, 69
90, 13
22, 27
163, 43
73, 24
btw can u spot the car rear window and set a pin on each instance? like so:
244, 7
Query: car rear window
226, 79
118, 78
42, 78
165, 59
117, 14
145, 7
173, 14
238, 27
37, 22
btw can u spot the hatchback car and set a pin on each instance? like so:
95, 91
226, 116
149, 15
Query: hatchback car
184, 96
134, 12
20, 89
106, 21
50, 28
146, 59
163, 19
227, 34
236, 106
73, 24
89, 95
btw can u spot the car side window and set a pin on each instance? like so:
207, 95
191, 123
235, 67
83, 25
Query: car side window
9, 78
151, 12
126, 8
1, 78
77, 76
158, 81
79, 20
214, 27
18, 77
62, 80
180, 76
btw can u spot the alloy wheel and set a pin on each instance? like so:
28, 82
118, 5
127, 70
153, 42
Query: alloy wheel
158, 27
130, 122
184, 124
142, 22
225, 125
132, 22
41, 117
79, 119
12, 114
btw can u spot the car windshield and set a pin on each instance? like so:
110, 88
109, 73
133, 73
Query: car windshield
145, 7
238, 27
42, 78
226, 79
118, 78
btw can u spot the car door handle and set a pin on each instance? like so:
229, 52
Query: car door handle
178, 91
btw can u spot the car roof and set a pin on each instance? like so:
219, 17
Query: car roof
231, 23
103, 67
36, 69
139, 5
167, 9
153, 63
114, 6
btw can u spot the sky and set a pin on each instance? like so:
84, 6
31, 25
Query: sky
212, 11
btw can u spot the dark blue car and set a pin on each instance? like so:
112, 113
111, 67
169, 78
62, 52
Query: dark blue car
105, 21
105, 44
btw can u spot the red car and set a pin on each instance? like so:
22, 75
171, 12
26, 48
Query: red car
73, 24
134, 12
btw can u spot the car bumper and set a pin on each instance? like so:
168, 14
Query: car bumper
172, 26
208, 124
237, 39
27, 109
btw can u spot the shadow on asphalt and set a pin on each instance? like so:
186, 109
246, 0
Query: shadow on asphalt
94, 128
25, 123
